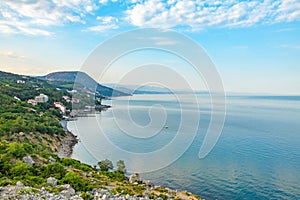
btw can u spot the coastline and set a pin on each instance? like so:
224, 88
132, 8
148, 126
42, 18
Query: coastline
66, 150
67, 144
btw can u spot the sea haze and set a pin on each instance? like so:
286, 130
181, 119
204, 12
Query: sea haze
256, 157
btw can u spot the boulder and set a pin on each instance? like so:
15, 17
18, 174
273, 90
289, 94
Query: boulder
76, 198
134, 177
104, 197
52, 160
68, 191
28, 160
19, 184
52, 181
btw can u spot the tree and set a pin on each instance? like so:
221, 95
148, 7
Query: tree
121, 166
105, 165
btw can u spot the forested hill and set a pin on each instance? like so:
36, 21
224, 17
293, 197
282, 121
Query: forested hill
66, 79
26, 87
16, 115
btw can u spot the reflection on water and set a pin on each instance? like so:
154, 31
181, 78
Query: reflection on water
257, 155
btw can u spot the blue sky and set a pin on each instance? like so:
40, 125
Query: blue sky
254, 44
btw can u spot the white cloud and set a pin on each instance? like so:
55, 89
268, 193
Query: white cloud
199, 14
103, 1
105, 23
12, 54
290, 46
38, 17
35, 17
106, 1
161, 41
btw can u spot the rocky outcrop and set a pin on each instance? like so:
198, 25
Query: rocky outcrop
29, 193
52, 181
67, 144
67, 193
134, 178
28, 160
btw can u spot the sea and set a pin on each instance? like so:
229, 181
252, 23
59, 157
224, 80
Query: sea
257, 155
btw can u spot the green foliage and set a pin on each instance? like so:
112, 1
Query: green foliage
27, 191
152, 196
160, 189
138, 188
87, 196
121, 166
114, 176
17, 150
105, 165
20, 169
54, 170
76, 164
77, 182
123, 190
74, 180
163, 196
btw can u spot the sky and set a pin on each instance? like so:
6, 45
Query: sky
255, 45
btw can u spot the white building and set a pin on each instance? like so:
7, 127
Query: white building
42, 98
20, 81
17, 98
32, 101
66, 98
60, 106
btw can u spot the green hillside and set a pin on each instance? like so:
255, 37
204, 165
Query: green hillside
31, 137
66, 79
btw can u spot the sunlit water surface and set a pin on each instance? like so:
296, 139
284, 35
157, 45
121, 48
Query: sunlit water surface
256, 157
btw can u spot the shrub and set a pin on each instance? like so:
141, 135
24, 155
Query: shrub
105, 165
56, 170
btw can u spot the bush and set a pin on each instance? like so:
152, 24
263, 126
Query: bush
76, 164
121, 166
105, 165
20, 169
152, 196
86, 196
56, 170
163, 196
17, 150
77, 182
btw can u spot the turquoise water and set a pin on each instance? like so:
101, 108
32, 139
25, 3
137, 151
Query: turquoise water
256, 157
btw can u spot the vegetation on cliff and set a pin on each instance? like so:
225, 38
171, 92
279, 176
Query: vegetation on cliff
31, 135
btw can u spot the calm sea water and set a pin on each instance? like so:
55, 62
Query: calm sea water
256, 157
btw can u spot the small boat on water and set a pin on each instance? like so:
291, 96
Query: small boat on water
166, 127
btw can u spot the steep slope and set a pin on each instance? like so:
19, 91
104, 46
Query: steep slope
66, 79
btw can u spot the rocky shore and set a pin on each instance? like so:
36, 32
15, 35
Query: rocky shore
66, 192
70, 140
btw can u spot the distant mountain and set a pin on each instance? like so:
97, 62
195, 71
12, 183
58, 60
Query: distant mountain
150, 89
145, 89
66, 79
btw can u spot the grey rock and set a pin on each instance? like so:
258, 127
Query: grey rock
68, 193
104, 197
52, 181
19, 184
76, 198
28, 160
134, 177
52, 160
